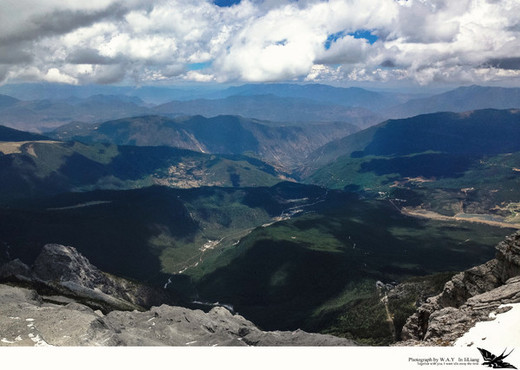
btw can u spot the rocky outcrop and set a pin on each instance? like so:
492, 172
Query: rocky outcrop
62, 270
28, 319
469, 297
63, 300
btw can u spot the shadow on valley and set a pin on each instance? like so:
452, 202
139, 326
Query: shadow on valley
141, 233
436, 165
476, 133
314, 266
318, 271
112, 229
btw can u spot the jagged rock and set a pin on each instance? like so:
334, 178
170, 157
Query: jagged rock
469, 297
62, 270
64, 315
471, 282
508, 257
26, 319
15, 269
64, 264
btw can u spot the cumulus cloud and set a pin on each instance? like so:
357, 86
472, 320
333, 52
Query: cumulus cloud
9, 55
106, 74
136, 41
54, 75
505, 63
345, 50
33, 22
288, 41
277, 46
88, 56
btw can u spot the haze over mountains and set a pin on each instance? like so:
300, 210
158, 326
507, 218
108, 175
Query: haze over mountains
461, 99
299, 206
37, 115
38, 107
273, 108
269, 141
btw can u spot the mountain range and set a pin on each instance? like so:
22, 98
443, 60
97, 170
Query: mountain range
482, 132
310, 223
37, 115
461, 99
38, 107
268, 141
32, 165
462, 165
273, 108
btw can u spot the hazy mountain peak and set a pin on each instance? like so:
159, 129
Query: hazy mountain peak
461, 99
7, 101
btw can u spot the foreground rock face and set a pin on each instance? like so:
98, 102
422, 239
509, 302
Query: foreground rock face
62, 270
66, 301
27, 319
469, 297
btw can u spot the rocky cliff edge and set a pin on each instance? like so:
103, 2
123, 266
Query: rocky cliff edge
63, 300
468, 298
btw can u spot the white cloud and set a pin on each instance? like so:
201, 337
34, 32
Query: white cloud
107, 41
198, 76
440, 51
288, 41
280, 45
321, 73
345, 50
54, 75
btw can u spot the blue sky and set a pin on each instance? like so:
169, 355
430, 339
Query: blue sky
225, 3
358, 34
341, 42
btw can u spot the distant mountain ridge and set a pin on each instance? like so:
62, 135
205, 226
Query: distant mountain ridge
37, 115
274, 143
487, 131
7, 101
44, 114
348, 97
34, 167
10, 134
50, 105
461, 99
272, 108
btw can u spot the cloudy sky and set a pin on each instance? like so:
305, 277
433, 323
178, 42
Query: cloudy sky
345, 42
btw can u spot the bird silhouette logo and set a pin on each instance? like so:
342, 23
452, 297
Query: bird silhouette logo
495, 362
